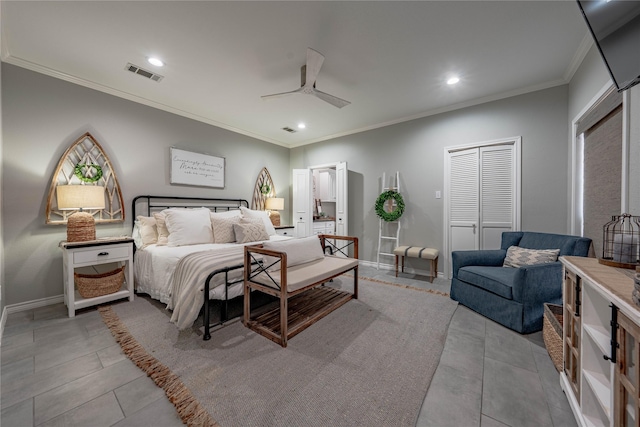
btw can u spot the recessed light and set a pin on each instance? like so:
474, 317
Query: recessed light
453, 80
301, 126
155, 61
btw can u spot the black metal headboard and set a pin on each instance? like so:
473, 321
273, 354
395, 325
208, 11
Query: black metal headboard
146, 205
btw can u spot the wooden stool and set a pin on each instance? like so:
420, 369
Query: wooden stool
418, 252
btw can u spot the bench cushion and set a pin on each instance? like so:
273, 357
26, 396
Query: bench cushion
303, 275
416, 252
299, 251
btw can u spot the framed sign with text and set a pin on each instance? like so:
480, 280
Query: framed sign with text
189, 168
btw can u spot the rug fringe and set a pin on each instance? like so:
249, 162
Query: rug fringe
188, 407
415, 288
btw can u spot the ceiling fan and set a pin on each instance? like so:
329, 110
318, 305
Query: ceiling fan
308, 74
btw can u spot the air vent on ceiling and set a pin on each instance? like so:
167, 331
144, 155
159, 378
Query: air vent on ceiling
288, 129
144, 73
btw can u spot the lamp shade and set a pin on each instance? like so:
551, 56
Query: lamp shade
71, 197
274, 204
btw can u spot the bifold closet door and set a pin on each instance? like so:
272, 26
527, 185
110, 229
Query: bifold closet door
483, 193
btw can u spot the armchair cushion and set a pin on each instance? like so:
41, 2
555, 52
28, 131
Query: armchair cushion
496, 280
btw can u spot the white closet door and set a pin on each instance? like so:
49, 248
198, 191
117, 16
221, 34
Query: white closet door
464, 200
342, 199
482, 191
302, 202
497, 195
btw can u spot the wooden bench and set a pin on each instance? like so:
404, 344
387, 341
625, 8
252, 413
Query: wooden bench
302, 301
418, 252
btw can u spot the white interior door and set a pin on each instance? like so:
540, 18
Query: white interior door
342, 200
498, 206
303, 202
464, 200
482, 192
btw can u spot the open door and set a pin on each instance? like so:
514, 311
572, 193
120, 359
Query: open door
342, 200
337, 204
302, 202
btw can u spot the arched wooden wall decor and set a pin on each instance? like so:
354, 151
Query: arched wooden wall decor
264, 188
85, 162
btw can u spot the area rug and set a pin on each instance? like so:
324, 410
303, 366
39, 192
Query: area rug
370, 362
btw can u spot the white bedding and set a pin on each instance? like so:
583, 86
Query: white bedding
154, 267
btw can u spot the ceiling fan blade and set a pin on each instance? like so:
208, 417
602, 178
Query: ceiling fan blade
333, 100
314, 63
278, 95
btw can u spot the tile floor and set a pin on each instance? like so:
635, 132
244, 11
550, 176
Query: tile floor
58, 371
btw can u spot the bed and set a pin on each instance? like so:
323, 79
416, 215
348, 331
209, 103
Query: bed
190, 250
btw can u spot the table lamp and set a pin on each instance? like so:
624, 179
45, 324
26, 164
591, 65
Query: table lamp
80, 226
273, 205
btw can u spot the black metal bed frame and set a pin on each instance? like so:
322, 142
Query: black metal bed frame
157, 203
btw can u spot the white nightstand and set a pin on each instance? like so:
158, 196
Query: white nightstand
95, 252
284, 230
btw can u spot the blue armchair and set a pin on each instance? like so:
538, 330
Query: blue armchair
513, 297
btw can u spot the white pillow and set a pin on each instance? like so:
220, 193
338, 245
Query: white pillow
188, 226
147, 229
135, 235
226, 214
268, 225
163, 233
299, 251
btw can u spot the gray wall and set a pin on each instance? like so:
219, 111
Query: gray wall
416, 149
590, 78
42, 116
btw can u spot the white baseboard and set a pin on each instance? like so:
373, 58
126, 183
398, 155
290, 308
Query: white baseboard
27, 305
407, 270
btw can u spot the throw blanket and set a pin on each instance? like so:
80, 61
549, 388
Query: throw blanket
187, 284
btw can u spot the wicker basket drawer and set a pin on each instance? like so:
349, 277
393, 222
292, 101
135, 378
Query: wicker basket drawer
103, 253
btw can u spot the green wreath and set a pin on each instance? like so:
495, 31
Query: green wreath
395, 214
265, 189
80, 173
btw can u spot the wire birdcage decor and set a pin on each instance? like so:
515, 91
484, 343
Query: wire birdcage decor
621, 241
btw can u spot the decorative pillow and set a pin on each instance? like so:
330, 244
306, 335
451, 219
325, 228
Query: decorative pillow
299, 251
188, 226
148, 230
163, 233
223, 229
248, 213
517, 256
223, 214
250, 232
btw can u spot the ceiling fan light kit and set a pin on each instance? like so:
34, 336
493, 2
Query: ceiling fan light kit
308, 75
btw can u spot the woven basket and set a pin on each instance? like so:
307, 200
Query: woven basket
95, 285
552, 333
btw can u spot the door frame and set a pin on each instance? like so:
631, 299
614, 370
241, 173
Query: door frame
516, 141
576, 160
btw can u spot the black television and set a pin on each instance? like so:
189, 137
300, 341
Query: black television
615, 27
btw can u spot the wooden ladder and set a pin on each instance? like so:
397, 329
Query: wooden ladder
385, 229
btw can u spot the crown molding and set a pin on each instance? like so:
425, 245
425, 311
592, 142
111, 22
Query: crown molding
578, 57
9, 59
